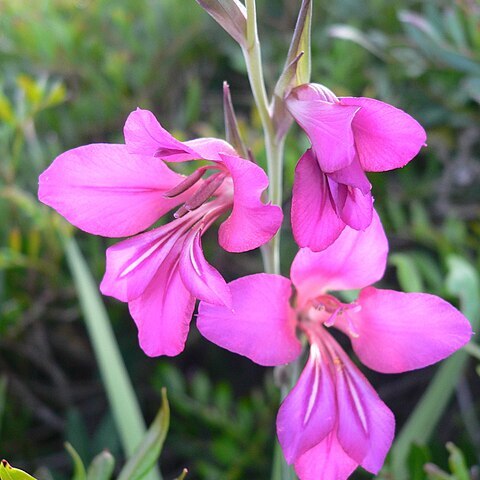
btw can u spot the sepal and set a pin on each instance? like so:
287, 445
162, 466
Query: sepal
231, 15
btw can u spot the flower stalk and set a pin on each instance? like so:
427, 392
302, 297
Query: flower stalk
274, 147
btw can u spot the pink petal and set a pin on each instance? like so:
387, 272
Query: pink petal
365, 426
308, 413
251, 223
104, 190
211, 148
132, 264
398, 331
326, 461
315, 222
385, 137
163, 312
357, 208
355, 260
200, 278
260, 325
144, 135
327, 124
353, 176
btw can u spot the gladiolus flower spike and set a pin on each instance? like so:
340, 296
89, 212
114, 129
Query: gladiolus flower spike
117, 190
333, 420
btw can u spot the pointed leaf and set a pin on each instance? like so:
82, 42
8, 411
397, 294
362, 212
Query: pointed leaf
232, 132
229, 14
148, 452
297, 67
101, 467
183, 475
79, 472
7, 472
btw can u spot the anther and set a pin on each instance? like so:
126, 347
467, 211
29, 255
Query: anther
186, 183
208, 188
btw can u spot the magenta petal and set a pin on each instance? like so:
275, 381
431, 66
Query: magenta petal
251, 223
365, 424
398, 331
353, 176
385, 137
357, 208
327, 124
200, 278
260, 325
211, 148
326, 461
163, 312
308, 413
355, 260
132, 264
315, 222
144, 135
104, 190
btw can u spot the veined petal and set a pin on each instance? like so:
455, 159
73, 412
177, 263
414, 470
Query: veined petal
200, 278
315, 222
356, 209
132, 263
325, 461
260, 324
164, 311
211, 148
144, 135
308, 413
251, 223
355, 260
385, 137
366, 425
104, 190
353, 176
399, 331
327, 124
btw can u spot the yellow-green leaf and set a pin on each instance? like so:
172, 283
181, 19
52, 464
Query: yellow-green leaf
7, 472
6, 110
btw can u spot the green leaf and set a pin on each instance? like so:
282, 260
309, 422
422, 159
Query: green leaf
457, 462
79, 472
124, 405
182, 475
463, 281
101, 467
7, 472
6, 110
408, 275
149, 450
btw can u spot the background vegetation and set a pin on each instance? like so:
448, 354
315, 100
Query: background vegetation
71, 71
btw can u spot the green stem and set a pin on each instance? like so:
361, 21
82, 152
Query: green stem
274, 147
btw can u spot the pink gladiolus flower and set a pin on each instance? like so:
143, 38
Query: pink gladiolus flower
333, 420
121, 190
349, 136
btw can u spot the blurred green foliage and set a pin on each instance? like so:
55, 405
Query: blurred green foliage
73, 70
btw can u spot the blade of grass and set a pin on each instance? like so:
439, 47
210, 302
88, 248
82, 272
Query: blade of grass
149, 450
120, 393
462, 281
